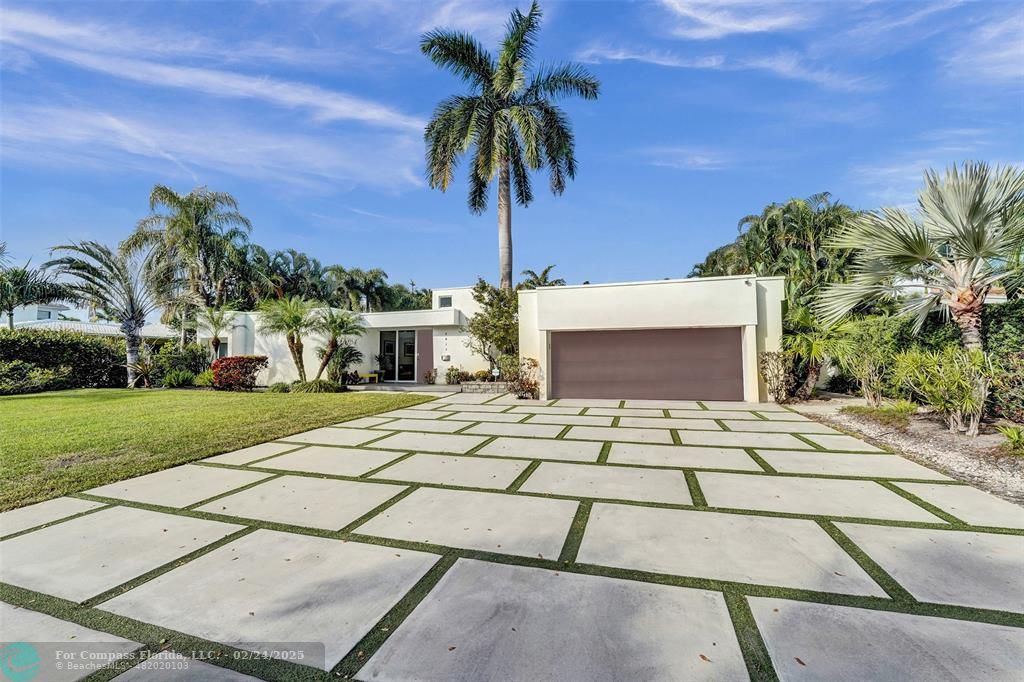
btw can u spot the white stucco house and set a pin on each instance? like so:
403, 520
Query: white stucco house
681, 339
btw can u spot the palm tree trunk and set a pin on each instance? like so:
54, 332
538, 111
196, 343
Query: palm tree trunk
10, 320
969, 322
295, 346
807, 388
215, 342
132, 341
332, 348
505, 225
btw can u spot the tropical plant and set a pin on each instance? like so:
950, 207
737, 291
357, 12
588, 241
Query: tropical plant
971, 224
317, 386
955, 382
873, 343
494, 331
777, 371
525, 383
813, 343
510, 120
344, 357
1014, 436
293, 317
204, 378
28, 286
543, 279
199, 238
453, 375
178, 378
144, 368
895, 415
279, 387
238, 372
337, 326
124, 287
215, 321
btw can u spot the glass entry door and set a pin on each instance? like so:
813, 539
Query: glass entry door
397, 359
407, 355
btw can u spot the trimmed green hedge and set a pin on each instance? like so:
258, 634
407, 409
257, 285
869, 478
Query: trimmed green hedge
93, 361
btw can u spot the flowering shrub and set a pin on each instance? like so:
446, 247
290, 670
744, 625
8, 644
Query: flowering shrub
238, 372
525, 384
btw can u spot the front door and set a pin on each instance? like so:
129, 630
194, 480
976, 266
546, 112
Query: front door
397, 358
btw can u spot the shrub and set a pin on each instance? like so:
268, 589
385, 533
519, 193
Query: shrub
897, 415
1014, 435
238, 372
18, 377
430, 376
777, 372
91, 361
874, 344
453, 375
279, 387
508, 365
481, 375
1003, 327
1008, 392
144, 367
193, 358
316, 386
954, 382
204, 378
176, 378
525, 384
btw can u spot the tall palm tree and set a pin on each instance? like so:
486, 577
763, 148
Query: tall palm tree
294, 317
28, 286
215, 321
199, 235
543, 279
123, 287
510, 120
970, 226
337, 325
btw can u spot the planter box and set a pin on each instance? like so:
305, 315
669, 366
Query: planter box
484, 387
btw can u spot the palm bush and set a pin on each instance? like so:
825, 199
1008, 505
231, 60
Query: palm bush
510, 120
964, 243
338, 326
954, 382
317, 386
293, 317
215, 321
813, 343
178, 378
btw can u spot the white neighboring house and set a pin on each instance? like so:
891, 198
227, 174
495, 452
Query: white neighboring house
410, 342
38, 312
682, 339
47, 317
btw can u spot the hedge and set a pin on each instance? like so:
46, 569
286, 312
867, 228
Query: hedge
238, 372
93, 361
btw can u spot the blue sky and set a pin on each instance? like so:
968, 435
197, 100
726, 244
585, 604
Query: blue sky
311, 114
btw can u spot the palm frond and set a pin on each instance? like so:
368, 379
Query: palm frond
461, 54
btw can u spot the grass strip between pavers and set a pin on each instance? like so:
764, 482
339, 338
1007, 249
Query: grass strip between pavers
867, 564
574, 538
521, 478
350, 665
752, 646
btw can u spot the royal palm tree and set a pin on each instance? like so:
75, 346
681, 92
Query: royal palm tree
533, 280
510, 120
294, 317
338, 326
23, 286
215, 321
970, 225
124, 287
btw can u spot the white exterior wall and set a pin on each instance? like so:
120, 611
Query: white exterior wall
750, 303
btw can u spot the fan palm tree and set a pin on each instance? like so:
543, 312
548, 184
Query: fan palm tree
28, 286
510, 120
970, 225
123, 287
292, 316
814, 343
215, 321
533, 280
337, 325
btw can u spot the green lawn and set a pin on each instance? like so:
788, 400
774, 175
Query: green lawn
52, 444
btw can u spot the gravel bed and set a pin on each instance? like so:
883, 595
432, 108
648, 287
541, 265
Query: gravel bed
927, 441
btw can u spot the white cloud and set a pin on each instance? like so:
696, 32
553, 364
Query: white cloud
181, 146
787, 65
687, 158
397, 24
41, 35
993, 52
711, 19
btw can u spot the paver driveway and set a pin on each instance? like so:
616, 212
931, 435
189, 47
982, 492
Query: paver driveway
477, 538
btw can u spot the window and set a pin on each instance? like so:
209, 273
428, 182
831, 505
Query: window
43, 314
444, 301
222, 349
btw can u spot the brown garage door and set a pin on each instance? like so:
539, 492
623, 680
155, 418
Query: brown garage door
686, 364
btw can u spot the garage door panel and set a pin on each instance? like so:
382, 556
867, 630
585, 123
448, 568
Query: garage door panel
687, 364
